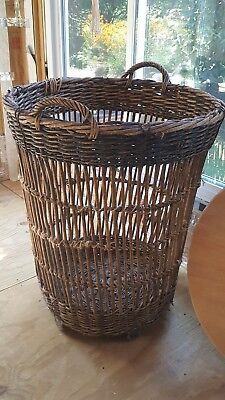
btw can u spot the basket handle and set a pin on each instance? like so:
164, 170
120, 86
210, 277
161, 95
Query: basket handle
130, 72
69, 104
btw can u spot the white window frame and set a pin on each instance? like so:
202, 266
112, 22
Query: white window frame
207, 191
58, 55
54, 37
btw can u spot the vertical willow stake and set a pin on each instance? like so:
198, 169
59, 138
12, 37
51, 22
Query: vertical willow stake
95, 25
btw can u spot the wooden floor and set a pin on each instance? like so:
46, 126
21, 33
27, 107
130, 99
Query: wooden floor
172, 361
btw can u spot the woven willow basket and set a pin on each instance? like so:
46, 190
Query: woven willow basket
110, 169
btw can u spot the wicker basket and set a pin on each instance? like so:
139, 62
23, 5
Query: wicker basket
110, 169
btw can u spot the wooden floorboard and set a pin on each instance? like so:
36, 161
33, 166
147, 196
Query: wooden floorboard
16, 260
173, 360
15, 187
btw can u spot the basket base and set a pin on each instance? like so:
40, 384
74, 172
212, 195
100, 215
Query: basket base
117, 296
129, 325
127, 336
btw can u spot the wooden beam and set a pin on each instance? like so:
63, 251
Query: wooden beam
39, 38
17, 46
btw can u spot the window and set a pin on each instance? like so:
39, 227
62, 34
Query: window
101, 54
186, 37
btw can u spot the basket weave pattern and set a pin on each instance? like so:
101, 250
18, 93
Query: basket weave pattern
110, 169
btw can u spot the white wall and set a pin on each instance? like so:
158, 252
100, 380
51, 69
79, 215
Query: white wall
11, 152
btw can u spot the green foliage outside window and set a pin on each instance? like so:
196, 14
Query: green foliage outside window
105, 53
187, 37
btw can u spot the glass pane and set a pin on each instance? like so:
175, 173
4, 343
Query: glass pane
103, 54
188, 39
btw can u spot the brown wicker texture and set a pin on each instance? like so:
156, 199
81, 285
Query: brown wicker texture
110, 169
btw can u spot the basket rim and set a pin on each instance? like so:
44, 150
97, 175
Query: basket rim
114, 128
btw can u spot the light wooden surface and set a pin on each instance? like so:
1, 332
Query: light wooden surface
171, 361
14, 240
17, 47
15, 187
38, 24
206, 270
